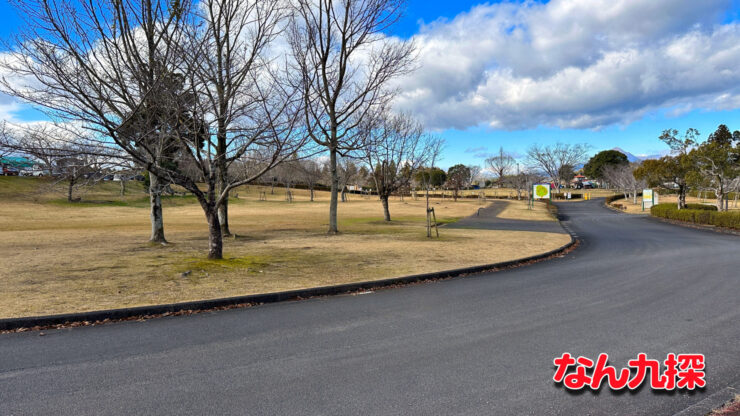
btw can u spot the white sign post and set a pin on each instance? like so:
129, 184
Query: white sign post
649, 198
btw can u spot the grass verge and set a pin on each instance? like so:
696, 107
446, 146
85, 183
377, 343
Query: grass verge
60, 258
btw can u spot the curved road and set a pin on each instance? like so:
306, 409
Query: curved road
475, 345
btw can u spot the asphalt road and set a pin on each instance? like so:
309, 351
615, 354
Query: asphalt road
487, 218
475, 345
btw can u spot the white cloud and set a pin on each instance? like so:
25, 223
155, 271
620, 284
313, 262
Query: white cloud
573, 63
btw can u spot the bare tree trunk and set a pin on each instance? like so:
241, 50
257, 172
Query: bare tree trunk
223, 180
681, 196
123, 187
215, 238
155, 214
311, 193
223, 217
429, 227
720, 194
344, 194
334, 192
70, 188
386, 212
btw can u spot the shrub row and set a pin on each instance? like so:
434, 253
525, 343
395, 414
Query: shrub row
612, 198
698, 214
701, 207
709, 194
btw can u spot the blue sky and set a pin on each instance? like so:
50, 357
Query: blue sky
610, 73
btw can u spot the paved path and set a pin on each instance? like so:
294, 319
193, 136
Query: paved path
487, 218
476, 345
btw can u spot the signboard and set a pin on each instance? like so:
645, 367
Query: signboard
649, 198
541, 191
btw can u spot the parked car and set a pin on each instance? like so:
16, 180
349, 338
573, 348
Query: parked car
10, 171
34, 172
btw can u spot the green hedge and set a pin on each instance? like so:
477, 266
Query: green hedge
612, 198
709, 194
701, 207
697, 214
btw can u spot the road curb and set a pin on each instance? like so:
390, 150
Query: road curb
703, 227
182, 308
714, 401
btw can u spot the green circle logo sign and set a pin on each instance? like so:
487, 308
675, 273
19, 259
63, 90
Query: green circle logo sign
541, 191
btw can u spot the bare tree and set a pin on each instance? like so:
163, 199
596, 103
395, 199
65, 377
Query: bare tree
227, 64
309, 172
76, 162
524, 180
475, 172
118, 70
347, 172
345, 63
430, 176
398, 149
551, 159
622, 178
500, 165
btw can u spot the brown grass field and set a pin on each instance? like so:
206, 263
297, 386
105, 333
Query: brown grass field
59, 257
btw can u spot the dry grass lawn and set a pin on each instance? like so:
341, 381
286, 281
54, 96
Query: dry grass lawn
60, 257
519, 210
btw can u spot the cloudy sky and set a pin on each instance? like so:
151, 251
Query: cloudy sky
605, 72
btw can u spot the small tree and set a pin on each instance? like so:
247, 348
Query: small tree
501, 165
431, 176
669, 172
458, 177
397, 149
309, 172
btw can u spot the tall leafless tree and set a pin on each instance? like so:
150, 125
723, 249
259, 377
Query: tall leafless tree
551, 159
231, 46
346, 64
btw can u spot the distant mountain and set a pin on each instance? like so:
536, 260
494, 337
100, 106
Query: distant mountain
630, 157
